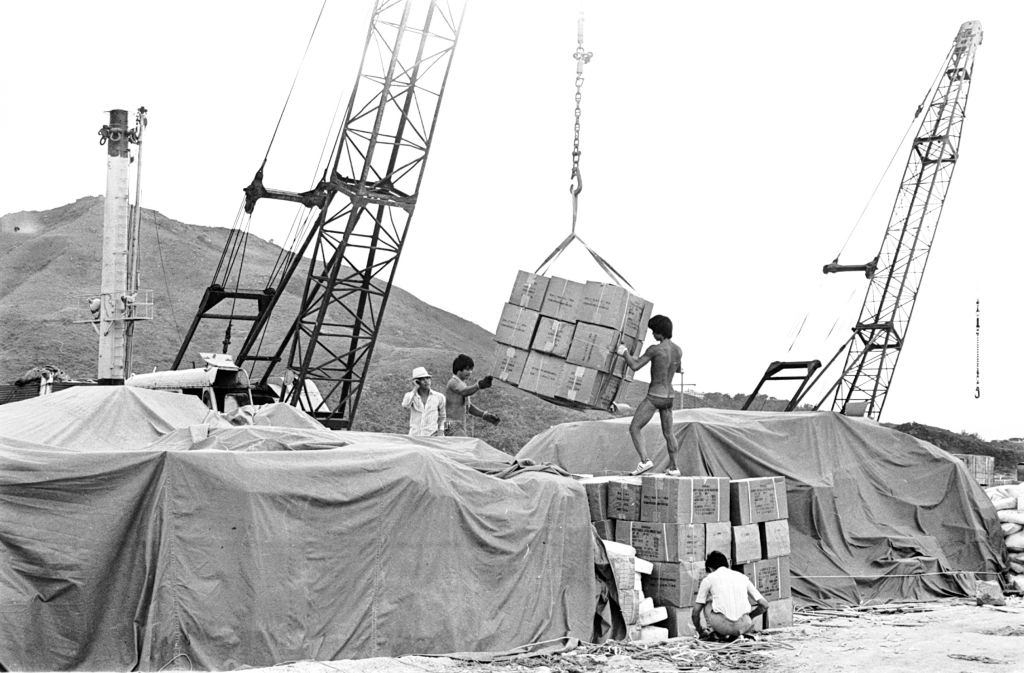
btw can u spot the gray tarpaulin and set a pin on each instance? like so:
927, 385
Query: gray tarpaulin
875, 514
136, 531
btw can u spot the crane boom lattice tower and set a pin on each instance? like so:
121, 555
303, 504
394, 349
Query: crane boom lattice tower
873, 349
363, 206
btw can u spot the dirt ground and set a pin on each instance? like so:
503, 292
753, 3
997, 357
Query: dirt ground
951, 636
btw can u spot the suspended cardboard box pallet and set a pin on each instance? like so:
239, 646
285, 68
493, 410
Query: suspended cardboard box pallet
558, 339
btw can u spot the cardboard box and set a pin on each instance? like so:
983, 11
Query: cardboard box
624, 498
746, 543
605, 529
653, 616
663, 541
757, 499
652, 634
770, 576
629, 604
982, 468
597, 496
717, 537
674, 584
774, 538
529, 290
680, 622
553, 337
614, 306
594, 346
516, 326
562, 299
684, 499
509, 364
588, 387
780, 614
541, 374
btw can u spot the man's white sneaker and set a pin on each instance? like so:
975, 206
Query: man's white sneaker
642, 467
673, 472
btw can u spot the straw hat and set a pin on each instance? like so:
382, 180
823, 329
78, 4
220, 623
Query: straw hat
420, 373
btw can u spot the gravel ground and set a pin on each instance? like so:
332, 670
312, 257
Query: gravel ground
951, 636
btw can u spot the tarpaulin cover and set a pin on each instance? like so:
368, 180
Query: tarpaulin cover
875, 515
138, 532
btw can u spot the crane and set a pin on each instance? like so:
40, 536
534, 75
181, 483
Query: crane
870, 354
360, 212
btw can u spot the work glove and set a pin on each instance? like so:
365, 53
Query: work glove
491, 418
485, 382
622, 350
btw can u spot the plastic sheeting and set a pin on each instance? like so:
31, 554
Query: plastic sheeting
135, 535
875, 515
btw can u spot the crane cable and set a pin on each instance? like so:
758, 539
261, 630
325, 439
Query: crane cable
582, 57
920, 108
910, 127
294, 80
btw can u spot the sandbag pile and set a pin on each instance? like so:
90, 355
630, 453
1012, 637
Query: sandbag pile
1009, 503
558, 339
638, 611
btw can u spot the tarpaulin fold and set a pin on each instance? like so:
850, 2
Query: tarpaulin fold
875, 515
180, 540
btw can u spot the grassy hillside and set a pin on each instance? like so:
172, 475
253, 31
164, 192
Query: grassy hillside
51, 259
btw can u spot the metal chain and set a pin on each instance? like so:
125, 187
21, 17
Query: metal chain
576, 178
977, 349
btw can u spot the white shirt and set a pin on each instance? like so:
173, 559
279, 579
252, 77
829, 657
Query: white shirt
425, 420
731, 593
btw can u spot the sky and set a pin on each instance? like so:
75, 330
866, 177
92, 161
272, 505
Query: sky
728, 152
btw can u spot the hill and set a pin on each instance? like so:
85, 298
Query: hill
50, 259
1006, 453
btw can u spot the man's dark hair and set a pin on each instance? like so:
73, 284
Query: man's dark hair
715, 560
462, 362
660, 324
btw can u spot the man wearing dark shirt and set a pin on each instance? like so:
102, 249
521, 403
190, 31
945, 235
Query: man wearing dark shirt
457, 398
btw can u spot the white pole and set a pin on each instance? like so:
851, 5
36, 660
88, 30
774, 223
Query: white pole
114, 274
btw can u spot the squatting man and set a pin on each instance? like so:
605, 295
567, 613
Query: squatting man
666, 359
724, 598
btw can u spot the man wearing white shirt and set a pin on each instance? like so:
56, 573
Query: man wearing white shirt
426, 407
724, 598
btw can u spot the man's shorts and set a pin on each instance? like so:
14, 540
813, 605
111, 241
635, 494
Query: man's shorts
722, 625
660, 403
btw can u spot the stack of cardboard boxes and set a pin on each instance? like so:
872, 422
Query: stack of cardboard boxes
679, 521
675, 522
760, 543
638, 611
558, 338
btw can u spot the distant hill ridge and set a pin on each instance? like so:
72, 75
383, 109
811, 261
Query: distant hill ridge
48, 258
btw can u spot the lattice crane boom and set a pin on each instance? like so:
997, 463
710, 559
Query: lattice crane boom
362, 207
896, 273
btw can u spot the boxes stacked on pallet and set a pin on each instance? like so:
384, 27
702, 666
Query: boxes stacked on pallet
982, 468
638, 611
673, 522
760, 543
557, 339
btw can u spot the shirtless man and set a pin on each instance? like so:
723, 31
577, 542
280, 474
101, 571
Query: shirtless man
666, 359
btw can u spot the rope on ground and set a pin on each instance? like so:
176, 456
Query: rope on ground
685, 654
